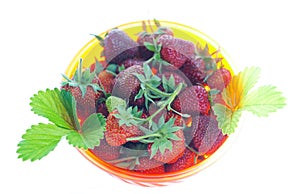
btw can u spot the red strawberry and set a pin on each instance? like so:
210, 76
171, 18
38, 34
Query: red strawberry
219, 79
149, 166
126, 84
148, 37
219, 141
101, 108
194, 70
171, 156
175, 51
192, 100
105, 151
131, 62
84, 86
185, 161
115, 134
206, 133
118, 46
107, 81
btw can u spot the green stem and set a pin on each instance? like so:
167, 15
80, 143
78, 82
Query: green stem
153, 89
79, 72
167, 102
143, 137
192, 150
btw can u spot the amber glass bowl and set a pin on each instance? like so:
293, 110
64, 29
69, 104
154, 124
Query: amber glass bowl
91, 52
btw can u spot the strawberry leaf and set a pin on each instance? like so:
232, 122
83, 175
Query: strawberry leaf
264, 100
39, 140
91, 132
113, 102
58, 106
237, 98
227, 119
149, 46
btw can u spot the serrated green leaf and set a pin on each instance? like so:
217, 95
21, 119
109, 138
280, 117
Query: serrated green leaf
239, 86
227, 119
264, 100
57, 106
149, 46
39, 140
92, 131
140, 77
113, 102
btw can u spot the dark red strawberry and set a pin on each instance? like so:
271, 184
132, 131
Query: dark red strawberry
175, 51
149, 166
101, 107
105, 151
131, 62
206, 133
107, 81
149, 37
117, 135
185, 161
194, 70
118, 46
126, 84
219, 79
85, 88
171, 156
192, 100
219, 141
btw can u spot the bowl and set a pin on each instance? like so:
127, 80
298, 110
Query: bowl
91, 52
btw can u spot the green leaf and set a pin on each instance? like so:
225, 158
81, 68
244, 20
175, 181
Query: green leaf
39, 140
98, 67
113, 102
91, 132
239, 86
57, 106
264, 100
150, 46
227, 119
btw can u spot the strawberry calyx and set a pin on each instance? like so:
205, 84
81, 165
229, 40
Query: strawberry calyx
160, 136
156, 59
82, 79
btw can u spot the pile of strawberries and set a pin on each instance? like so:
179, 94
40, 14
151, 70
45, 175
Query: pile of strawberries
167, 86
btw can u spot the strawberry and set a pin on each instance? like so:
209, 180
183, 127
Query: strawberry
118, 46
126, 84
194, 70
192, 100
106, 152
117, 135
185, 161
219, 141
175, 51
205, 133
84, 86
131, 62
107, 81
219, 79
170, 156
149, 166
148, 37
101, 107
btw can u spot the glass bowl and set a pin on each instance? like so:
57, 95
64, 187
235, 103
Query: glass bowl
91, 52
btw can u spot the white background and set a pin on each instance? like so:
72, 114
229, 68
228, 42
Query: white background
38, 40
